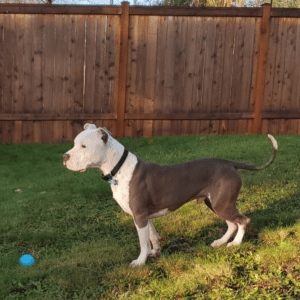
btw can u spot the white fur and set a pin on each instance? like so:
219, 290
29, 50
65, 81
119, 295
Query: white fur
232, 227
154, 238
96, 154
239, 236
144, 238
160, 213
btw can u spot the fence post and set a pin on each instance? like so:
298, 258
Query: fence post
124, 24
259, 90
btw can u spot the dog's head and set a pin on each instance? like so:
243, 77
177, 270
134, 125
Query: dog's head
89, 149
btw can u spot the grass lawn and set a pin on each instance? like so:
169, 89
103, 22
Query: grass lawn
83, 242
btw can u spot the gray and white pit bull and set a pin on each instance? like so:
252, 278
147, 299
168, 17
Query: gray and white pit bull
148, 190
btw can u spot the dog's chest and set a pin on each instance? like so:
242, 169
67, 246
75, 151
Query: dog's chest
121, 189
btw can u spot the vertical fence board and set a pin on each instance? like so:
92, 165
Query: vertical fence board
132, 100
8, 45
150, 73
249, 50
48, 76
18, 75
189, 73
228, 66
58, 78
271, 64
289, 65
169, 75
2, 71
66, 98
99, 66
30, 76
178, 69
140, 72
160, 65
37, 80
79, 70
89, 94
218, 72
257, 25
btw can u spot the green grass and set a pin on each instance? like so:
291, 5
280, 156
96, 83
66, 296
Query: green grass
83, 242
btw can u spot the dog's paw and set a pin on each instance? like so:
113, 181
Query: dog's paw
154, 253
217, 243
233, 243
136, 263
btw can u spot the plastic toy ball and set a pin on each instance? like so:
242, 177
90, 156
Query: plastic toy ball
27, 260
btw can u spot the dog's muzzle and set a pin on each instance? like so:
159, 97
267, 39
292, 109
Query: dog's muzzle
66, 157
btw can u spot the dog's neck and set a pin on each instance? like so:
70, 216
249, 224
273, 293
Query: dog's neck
113, 155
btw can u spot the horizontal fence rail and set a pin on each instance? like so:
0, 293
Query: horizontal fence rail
146, 71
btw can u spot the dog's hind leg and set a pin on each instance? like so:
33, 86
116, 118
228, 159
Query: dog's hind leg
154, 238
242, 222
232, 227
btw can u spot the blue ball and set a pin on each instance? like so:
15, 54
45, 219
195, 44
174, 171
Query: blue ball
27, 260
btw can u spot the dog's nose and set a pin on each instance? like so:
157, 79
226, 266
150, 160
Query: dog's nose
66, 157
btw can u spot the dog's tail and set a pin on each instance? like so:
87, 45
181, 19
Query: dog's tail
238, 165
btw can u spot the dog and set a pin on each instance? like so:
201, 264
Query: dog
148, 190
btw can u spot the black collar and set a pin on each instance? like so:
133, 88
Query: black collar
117, 167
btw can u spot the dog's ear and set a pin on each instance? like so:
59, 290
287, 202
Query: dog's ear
103, 134
89, 126
106, 130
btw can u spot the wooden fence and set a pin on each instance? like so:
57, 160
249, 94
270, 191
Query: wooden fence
146, 71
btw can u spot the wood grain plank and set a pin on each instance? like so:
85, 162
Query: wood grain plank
219, 55
140, 71
122, 49
18, 72
8, 45
167, 104
37, 72
132, 103
100, 59
29, 76
270, 68
200, 11
249, 50
79, 63
59, 73
179, 69
210, 54
296, 76
116, 76
160, 65
48, 76
237, 73
2, 74
59, 9
67, 133
18, 50
189, 73
89, 93
200, 45
228, 66
289, 66
254, 73
151, 44
278, 78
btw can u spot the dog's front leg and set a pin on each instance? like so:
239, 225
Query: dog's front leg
144, 237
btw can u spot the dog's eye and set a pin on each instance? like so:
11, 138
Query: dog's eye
83, 146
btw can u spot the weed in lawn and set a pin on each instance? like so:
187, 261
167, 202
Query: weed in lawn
83, 242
